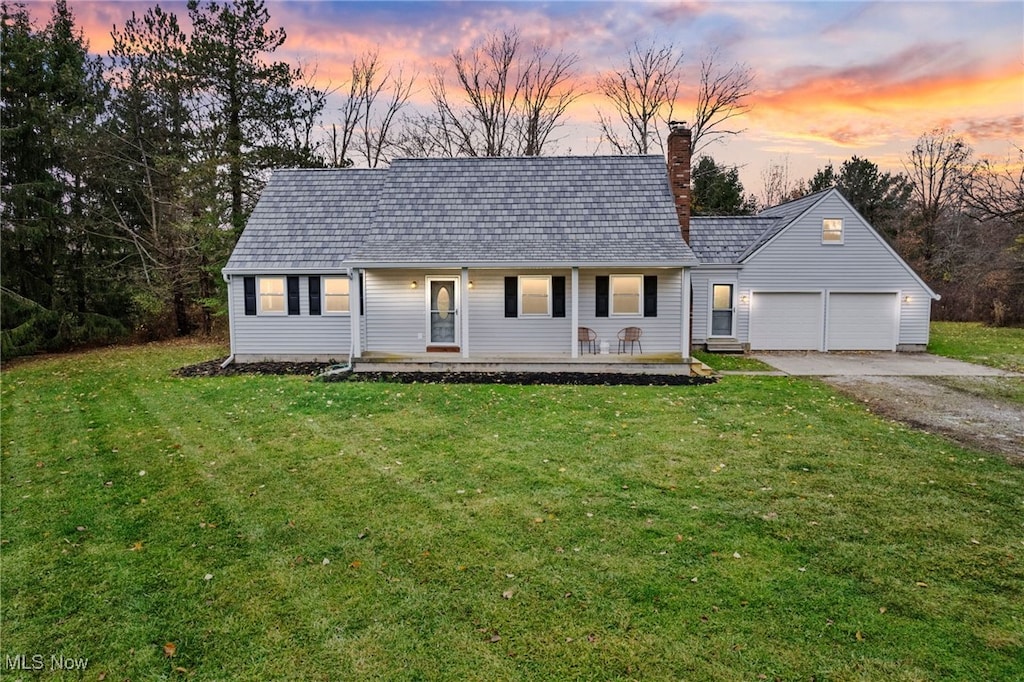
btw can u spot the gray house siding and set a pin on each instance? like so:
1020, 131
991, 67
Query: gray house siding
302, 337
700, 281
396, 314
796, 261
661, 334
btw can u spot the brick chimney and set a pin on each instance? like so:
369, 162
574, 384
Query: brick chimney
679, 140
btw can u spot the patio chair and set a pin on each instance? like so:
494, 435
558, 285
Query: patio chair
630, 335
587, 337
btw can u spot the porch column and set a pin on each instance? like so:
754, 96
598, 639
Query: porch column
355, 305
464, 313
687, 323
575, 302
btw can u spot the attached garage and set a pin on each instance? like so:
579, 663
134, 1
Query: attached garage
862, 321
786, 321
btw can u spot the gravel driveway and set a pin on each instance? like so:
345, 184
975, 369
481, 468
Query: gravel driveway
973, 405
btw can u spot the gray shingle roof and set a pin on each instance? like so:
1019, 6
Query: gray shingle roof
723, 240
516, 211
545, 210
308, 219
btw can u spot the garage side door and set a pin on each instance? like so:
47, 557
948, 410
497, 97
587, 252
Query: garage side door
862, 322
786, 321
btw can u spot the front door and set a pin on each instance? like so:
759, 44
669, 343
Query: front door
722, 310
442, 310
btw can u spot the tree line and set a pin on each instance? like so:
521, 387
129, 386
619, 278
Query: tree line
127, 179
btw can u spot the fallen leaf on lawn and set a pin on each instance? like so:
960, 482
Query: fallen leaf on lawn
136, 547
882, 609
179, 669
208, 576
736, 555
507, 594
170, 649
859, 636
80, 529
495, 638
102, 676
591, 637
142, 472
921, 584
693, 579
538, 520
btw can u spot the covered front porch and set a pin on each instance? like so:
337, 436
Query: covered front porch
659, 364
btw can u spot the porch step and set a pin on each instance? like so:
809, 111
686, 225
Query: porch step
724, 346
698, 368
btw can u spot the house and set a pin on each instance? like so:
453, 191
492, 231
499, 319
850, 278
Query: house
468, 259
810, 274
479, 259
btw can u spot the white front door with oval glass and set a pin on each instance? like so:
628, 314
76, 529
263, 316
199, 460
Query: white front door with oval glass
442, 311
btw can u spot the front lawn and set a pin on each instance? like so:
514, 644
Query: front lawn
262, 527
1001, 347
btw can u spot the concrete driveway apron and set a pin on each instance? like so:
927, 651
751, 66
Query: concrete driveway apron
874, 364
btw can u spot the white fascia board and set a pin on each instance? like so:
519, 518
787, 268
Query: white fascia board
285, 270
506, 265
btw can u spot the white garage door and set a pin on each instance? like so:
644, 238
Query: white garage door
786, 321
862, 321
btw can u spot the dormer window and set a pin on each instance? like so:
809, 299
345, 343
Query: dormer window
832, 231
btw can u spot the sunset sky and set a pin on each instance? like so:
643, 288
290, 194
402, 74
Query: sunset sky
833, 79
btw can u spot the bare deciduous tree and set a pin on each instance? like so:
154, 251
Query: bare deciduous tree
939, 167
643, 93
722, 96
509, 99
996, 192
645, 96
375, 98
776, 186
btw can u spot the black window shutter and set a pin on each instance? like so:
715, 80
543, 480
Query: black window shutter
650, 295
602, 296
511, 296
558, 297
314, 295
362, 293
293, 295
249, 284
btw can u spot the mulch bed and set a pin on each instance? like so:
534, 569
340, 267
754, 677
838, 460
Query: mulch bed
212, 368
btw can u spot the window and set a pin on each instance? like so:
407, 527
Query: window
271, 295
535, 296
336, 295
627, 294
721, 310
832, 231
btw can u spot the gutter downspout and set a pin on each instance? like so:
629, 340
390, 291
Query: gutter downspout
231, 324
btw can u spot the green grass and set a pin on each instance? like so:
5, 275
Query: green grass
1001, 347
729, 362
758, 526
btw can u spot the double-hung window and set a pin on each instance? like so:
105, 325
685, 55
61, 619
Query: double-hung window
627, 294
271, 296
534, 296
832, 231
336, 295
